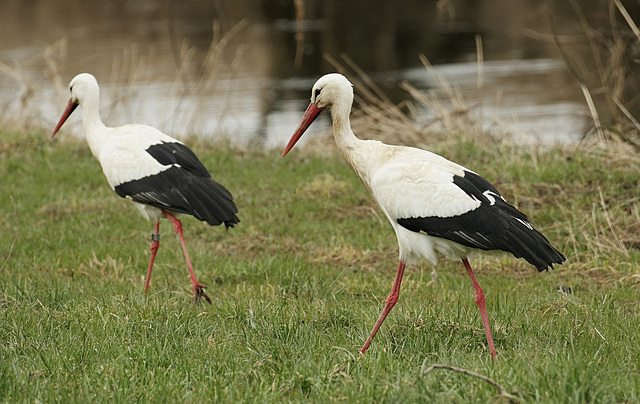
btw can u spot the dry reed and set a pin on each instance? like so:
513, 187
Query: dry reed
196, 76
607, 74
428, 116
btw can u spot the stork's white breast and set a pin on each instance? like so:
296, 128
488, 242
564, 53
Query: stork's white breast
418, 183
123, 155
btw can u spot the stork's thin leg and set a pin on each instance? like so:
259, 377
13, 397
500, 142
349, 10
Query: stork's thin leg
198, 288
482, 306
155, 243
388, 305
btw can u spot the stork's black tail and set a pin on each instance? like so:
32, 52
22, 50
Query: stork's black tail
523, 241
211, 202
178, 190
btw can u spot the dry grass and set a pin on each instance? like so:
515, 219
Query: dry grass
439, 115
195, 76
608, 74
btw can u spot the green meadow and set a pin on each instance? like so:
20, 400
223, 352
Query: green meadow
298, 284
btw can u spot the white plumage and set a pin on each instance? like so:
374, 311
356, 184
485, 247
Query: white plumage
157, 173
124, 157
434, 205
417, 183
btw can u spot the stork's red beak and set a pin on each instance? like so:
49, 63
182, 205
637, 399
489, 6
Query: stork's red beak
71, 106
309, 116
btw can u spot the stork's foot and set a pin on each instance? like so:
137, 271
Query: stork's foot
198, 292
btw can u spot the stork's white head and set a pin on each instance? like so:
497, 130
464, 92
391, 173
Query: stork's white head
331, 91
84, 86
84, 89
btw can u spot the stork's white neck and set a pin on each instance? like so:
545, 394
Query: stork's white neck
356, 152
342, 133
94, 129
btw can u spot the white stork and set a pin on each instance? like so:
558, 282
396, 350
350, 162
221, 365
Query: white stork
158, 174
433, 204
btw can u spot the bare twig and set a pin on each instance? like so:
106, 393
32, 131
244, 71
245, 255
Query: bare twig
501, 389
626, 113
592, 39
628, 18
368, 88
614, 233
15, 212
593, 111
171, 27
299, 37
563, 52
480, 54
367, 79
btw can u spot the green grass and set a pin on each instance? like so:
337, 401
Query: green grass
298, 284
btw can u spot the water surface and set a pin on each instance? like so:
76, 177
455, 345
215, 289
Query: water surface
253, 91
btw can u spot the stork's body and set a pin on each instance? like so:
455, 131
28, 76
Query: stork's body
157, 173
434, 205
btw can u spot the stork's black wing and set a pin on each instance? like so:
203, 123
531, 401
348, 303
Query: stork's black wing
494, 225
185, 187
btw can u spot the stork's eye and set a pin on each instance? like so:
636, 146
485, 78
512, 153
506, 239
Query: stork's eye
318, 92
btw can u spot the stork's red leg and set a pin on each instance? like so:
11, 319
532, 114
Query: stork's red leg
155, 243
198, 288
482, 305
388, 305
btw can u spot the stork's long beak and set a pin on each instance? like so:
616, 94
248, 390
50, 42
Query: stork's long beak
309, 116
71, 106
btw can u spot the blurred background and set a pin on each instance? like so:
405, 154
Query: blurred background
243, 70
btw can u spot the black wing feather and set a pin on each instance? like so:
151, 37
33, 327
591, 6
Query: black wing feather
494, 225
167, 153
184, 187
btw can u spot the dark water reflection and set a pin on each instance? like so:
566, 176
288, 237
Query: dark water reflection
257, 91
